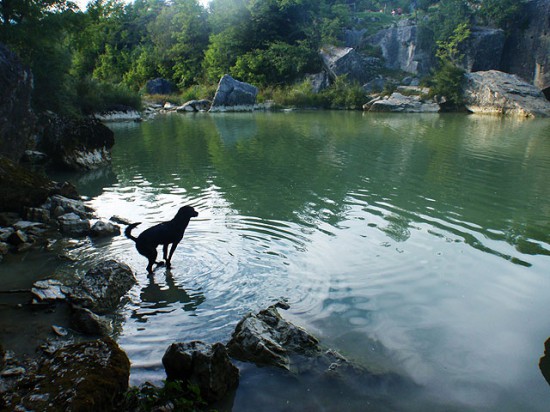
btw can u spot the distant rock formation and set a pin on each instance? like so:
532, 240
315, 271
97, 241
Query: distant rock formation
495, 92
233, 95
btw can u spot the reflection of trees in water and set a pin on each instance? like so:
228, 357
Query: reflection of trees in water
303, 168
155, 298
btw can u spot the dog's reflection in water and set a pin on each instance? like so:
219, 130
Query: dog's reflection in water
165, 297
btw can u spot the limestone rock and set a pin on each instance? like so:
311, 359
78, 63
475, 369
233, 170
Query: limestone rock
49, 290
233, 95
85, 321
483, 49
399, 103
340, 61
71, 224
207, 366
495, 92
102, 287
194, 106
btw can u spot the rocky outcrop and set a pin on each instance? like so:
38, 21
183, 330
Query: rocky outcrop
527, 48
16, 117
89, 376
399, 103
483, 49
204, 365
401, 50
494, 92
102, 287
233, 95
194, 106
345, 61
75, 144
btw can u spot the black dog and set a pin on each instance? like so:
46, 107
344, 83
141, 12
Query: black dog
164, 233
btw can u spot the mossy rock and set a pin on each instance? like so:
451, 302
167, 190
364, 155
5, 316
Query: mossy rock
85, 377
20, 188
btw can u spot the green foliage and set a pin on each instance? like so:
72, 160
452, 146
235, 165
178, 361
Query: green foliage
447, 81
343, 95
94, 96
448, 50
148, 397
500, 13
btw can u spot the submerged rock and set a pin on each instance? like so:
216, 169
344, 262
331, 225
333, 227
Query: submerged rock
204, 365
89, 376
102, 287
104, 229
494, 92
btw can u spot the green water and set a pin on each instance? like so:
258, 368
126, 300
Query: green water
413, 244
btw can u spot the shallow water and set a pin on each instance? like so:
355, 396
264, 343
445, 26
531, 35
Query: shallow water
413, 244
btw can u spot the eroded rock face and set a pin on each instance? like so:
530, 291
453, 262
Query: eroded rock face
483, 49
207, 366
233, 95
16, 117
102, 287
494, 92
89, 376
399, 103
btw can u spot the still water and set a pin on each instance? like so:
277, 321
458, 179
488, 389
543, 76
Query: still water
412, 244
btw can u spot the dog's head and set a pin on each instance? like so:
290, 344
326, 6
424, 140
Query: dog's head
186, 212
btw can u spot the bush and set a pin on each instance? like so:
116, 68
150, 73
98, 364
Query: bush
447, 81
96, 97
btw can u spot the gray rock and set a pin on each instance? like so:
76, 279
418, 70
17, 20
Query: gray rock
340, 61
89, 376
104, 229
495, 92
35, 157
58, 203
49, 291
319, 81
375, 85
266, 338
159, 86
4, 248
37, 214
401, 50
71, 224
102, 287
85, 321
233, 95
194, 106
207, 366
399, 103
5, 233
17, 238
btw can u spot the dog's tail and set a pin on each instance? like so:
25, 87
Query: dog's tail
128, 231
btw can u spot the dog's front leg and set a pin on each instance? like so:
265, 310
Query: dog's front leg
172, 250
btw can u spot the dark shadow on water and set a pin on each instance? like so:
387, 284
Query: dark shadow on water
544, 363
157, 298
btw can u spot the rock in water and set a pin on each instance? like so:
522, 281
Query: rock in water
207, 366
494, 92
233, 95
102, 287
544, 363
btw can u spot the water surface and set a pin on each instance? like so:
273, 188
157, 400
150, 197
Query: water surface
413, 244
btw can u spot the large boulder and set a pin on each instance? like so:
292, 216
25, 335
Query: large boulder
527, 48
233, 95
16, 117
401, 49
87, 377
207, 366
495, 92
102, 287
75, 144
345, 61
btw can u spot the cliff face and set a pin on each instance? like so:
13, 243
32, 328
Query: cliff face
527, 49
16, 117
